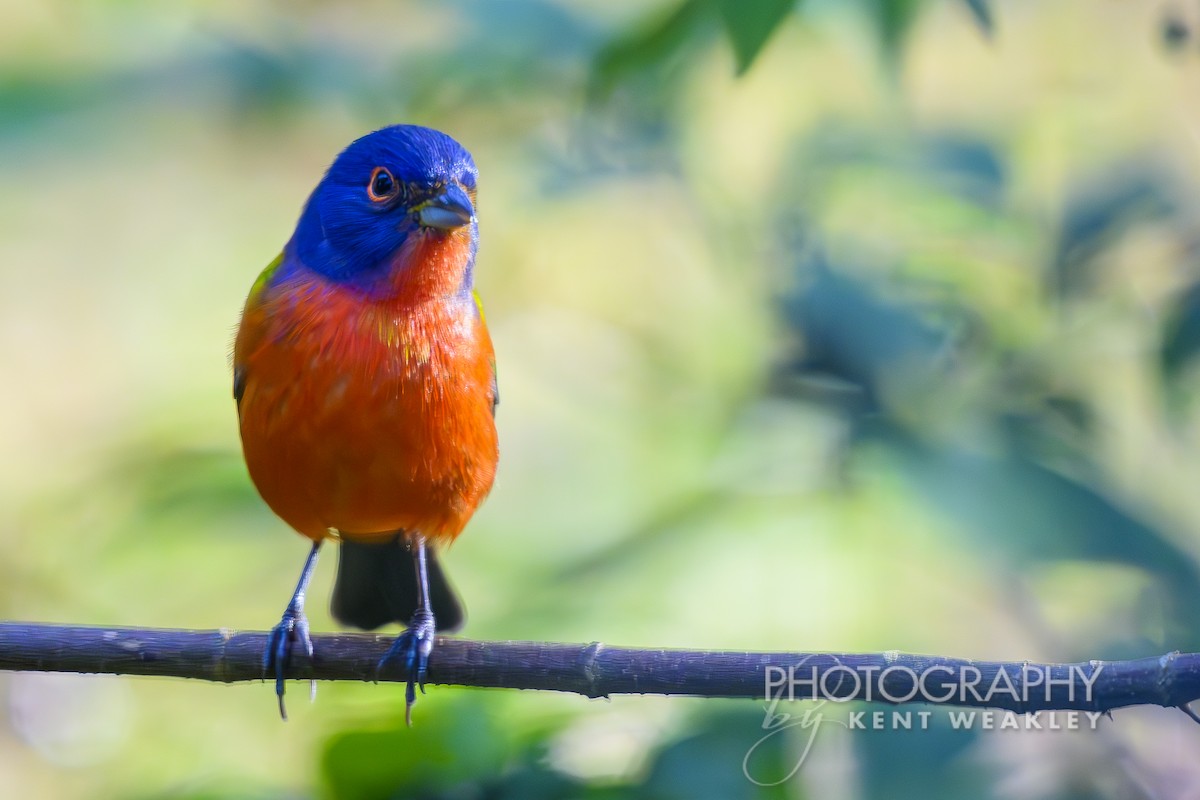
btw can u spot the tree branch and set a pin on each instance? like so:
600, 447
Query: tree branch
597, 670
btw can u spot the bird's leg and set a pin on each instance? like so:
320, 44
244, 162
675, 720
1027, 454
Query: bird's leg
291, 629
416, 643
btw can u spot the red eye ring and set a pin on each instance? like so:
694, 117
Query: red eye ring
383, 186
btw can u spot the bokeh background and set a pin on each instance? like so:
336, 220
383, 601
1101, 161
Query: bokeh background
832, 325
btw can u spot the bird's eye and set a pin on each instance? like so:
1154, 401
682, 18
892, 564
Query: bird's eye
383, 186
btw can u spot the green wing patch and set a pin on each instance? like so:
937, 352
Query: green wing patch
264, 278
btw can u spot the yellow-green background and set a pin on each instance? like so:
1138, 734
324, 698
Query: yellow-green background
690, 277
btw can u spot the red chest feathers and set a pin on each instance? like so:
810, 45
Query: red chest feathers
364, 416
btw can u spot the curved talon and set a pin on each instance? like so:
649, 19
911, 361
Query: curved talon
292, 627
414, 646
277, 656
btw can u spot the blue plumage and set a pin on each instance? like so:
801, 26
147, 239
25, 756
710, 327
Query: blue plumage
349, 235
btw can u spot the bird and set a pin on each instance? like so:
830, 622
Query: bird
365, 383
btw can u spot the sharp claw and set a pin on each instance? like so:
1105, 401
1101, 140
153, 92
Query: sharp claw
292, 627
278, 653
414, 644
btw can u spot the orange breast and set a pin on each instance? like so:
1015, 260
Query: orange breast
367, 416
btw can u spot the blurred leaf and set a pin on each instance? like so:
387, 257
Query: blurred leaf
27, 99
533, 44
224, 74
1077, 413
1174, 31
982, 13
1040, 418
898, 763
750, 24
382, 763
1031, 514
646, 46
456, 750
1098, 215
1178, 351
852, 336
1057, 432
969, 166
240, 791
708, 763
1181, 334
892, 19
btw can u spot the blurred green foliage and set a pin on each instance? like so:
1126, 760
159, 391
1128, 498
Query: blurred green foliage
845, 326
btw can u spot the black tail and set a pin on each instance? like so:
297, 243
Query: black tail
377, 584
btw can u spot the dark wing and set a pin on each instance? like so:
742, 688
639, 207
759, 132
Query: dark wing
239, 386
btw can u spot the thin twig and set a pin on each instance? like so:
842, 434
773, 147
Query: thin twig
596, 670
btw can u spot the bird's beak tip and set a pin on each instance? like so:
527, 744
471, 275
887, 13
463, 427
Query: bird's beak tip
449, 210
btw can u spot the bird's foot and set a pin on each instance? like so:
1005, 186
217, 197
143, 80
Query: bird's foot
412, 649
292, 629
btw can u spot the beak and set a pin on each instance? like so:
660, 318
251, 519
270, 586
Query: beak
449, 210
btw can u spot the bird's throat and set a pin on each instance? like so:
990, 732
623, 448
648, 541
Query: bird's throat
430, 265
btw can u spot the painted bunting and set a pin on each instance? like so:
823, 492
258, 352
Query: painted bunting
365, 383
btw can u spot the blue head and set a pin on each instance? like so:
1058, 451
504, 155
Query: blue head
390, 185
